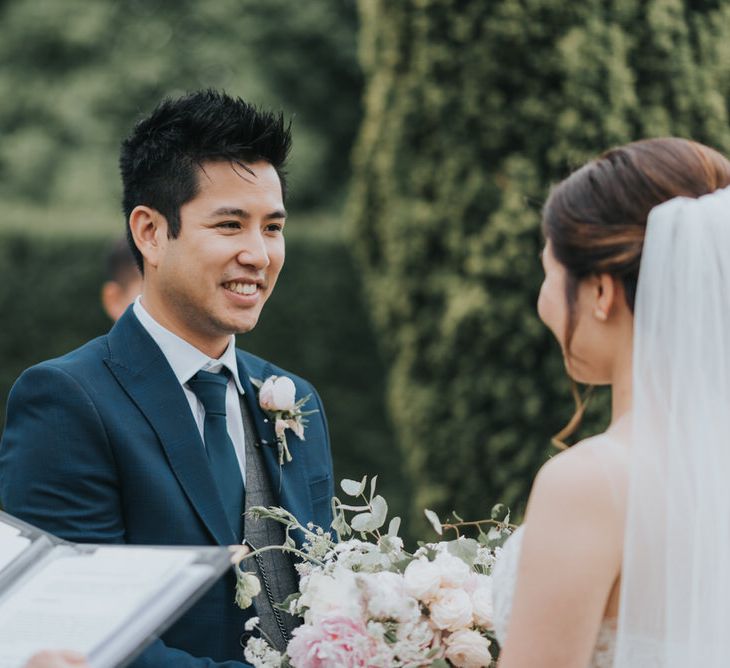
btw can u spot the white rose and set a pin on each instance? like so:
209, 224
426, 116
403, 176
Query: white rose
323, 594
422, 579
481, 600
387, 597
278, 393
451, 610
454, 572
468, 649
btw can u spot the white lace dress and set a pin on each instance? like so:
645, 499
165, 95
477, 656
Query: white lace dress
504, 579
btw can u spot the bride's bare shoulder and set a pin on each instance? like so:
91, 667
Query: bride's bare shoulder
592, 473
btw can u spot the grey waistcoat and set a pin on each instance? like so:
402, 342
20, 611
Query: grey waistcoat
274, 569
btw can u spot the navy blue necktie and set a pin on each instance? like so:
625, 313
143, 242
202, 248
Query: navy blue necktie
210, 388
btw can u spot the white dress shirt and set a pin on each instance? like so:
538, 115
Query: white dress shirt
186, 360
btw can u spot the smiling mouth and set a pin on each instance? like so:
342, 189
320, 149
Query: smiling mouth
241, 288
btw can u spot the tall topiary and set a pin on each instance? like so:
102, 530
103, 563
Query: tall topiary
472, 109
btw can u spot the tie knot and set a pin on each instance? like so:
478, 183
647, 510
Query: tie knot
210, 388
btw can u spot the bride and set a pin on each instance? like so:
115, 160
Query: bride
624, 556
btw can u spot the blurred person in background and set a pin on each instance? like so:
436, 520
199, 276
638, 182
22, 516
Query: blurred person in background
123, 282
155, 433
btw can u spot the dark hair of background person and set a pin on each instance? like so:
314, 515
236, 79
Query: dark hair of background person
123, 281
596, 218
160, 160
121, 265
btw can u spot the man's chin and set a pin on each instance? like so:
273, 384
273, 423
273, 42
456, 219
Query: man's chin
241, 326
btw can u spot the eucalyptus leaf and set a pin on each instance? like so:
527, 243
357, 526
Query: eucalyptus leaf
372, 487
353, 487
429, 551
394, 526
362, 522
464, 548
379, 511
284, 605
387, 545
433, 518
440, 663
402, 564
499, 511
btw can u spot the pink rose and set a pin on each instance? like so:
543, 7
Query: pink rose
278, 393
468, 649
335, 642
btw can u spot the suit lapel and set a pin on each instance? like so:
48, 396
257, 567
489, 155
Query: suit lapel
288, 481
143, 371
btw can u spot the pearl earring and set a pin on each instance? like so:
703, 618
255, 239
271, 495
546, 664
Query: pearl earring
601, 315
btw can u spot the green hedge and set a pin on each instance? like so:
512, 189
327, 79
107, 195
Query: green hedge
314, 324
472, 109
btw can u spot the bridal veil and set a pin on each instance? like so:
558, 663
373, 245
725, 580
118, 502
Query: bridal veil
675, 590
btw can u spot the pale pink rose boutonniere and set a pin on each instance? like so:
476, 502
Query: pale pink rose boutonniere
277, 398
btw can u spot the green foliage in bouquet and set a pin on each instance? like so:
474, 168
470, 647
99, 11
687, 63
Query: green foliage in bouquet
472, 110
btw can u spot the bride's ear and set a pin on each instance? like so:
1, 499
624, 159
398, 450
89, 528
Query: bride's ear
608, 291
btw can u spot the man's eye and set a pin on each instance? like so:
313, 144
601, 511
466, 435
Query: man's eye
230, 224
274, 227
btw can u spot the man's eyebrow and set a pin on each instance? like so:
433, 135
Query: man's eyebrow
241, 213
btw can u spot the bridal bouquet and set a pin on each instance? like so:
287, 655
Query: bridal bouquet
365, 601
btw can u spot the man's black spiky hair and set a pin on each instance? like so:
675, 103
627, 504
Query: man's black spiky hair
161, 158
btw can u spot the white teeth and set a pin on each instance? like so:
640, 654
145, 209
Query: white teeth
241, 288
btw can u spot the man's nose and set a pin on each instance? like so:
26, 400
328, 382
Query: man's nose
254, 251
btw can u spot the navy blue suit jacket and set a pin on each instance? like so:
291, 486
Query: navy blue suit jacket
100, 446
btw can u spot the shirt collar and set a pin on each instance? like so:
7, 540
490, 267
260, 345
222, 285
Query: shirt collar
185, 359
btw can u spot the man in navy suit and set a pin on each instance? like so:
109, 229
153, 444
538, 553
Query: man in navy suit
118, 441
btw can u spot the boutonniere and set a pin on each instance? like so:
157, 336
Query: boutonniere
277, 399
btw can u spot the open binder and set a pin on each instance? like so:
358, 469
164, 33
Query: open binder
105, 601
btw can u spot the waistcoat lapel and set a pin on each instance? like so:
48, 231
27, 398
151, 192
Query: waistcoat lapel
288, 481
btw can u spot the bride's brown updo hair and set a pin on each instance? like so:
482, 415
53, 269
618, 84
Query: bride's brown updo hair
596, 218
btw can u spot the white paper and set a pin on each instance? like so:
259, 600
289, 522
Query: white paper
76, 601
117, 646
11, 544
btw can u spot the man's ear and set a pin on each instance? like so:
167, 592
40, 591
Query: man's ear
149, 231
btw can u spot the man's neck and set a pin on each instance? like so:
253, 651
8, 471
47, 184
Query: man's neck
213, 347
